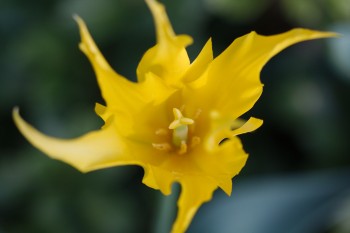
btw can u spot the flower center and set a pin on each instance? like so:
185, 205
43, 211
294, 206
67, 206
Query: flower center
180, 127
180, 134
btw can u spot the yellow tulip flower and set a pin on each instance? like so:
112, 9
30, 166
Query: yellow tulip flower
177, 121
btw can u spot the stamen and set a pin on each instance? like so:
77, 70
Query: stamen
182, 108
161, 132
195, 141
162, 146
198, 112
183, 148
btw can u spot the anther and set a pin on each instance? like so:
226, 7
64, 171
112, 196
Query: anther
182, 108
195, 141
198, 112
162, 146
161, 132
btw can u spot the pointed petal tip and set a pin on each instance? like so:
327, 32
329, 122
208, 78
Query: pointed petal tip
83, 32
91, 151
152, 3
16, 117
155, 6
79, 20
164, 29
315, 34
15, 111
226, 186
258, 122
76, 17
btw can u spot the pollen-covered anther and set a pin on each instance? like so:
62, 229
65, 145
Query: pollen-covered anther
195, 141
161, 132
162, 146
198, 112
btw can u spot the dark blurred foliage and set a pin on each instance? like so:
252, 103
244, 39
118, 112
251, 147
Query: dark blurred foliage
296, 178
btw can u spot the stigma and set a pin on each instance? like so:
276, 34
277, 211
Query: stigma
180, 130
179, 120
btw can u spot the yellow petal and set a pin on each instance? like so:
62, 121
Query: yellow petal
232, 159
102, 111
199, 174
95, 150
164, 30
195, 191
233, 77
249, 126
168, 59
158, 178
155, 89
225, 127
118, 92
199, 65
222, 162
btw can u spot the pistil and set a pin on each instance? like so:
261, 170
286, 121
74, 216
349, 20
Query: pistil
180, 134
180, 130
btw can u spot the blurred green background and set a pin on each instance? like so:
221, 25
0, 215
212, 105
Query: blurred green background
297, 178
